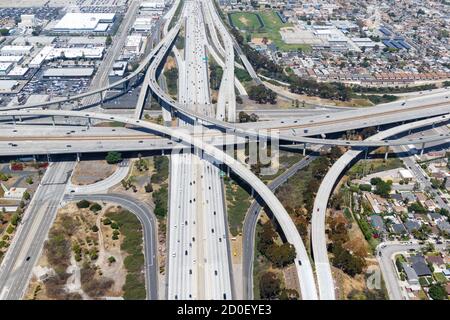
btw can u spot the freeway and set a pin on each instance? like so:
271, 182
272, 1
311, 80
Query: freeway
27, 244
251, 219
296, 129
198, 264
148, 220
157, 129
318, 236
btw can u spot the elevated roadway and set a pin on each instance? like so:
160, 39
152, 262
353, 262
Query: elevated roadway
304, 270
318, 236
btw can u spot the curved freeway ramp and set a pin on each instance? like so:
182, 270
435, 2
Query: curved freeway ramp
319, 242
145, 215
303, 264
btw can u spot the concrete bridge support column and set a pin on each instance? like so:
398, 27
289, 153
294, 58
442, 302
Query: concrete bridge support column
14, 120
53, 121
101, 99
423, 148
48, 157
386, 154
304, 149
78, 157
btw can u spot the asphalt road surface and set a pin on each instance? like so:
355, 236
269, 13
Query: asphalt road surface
16, 268
251, 219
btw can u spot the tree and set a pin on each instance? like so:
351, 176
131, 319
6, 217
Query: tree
26, 196
346, 261
437, 292
148, 187
270, 285
262, 95
108, 40
113, 157
94, 228
83, 204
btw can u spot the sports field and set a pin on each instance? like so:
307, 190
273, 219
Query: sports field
246, 21
264, 24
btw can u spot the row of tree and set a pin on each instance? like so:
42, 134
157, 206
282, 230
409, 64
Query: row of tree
262, 95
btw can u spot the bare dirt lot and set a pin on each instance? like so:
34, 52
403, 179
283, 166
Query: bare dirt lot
88, 172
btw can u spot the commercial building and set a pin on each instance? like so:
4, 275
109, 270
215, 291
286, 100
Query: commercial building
40, 57
134, 43
51, 53
117, 73
28, 21
76, 22
14, 59
18, 72
15, 50
153, 5
143, 24
7, 86
74, 73
5, 67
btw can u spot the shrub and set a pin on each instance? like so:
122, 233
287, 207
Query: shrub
94, 228
113, 157
83, 204
95, 207
26, 196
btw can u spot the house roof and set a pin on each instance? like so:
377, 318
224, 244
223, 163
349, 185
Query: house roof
443, 225
410, 273
377, 222
412, 225
435, 260
398, 228
421, 268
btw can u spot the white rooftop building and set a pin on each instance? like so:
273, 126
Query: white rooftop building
8, 85
84, 22
13, 193
15, 50
134, 43
16, 59
5, 67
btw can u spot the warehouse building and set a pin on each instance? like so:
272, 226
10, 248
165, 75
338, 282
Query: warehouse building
15, 59
5, 67
69, 73
6, 86
76, 22
15, 50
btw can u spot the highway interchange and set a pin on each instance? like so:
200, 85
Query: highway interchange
200, 268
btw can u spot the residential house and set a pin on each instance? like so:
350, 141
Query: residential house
411, 275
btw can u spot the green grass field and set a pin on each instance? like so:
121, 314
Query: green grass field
238, 201
272, 26
245, 21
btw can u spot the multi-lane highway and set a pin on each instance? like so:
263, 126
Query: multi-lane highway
27, 244
199, 256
